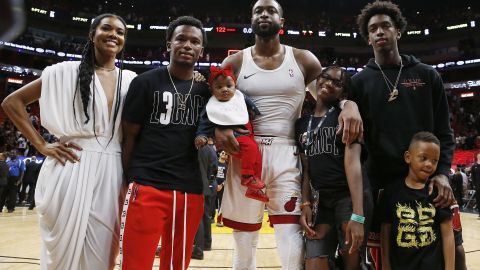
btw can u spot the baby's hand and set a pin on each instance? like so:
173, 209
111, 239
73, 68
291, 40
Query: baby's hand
198, 77
200, 141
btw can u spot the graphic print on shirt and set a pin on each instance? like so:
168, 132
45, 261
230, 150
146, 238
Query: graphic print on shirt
220, 172
290, 201
413, 83
324, 143
166, 110
290, 72
415, 225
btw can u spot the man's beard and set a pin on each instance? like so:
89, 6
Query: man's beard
266, 32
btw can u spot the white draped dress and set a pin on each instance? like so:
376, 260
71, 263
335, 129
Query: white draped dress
78, 203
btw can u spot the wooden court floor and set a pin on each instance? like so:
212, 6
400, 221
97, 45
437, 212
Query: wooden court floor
20, 244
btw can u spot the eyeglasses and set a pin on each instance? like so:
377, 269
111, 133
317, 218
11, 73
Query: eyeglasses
325, 77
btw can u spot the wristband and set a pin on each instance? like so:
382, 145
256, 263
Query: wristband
342, 103
304, 204
357, 218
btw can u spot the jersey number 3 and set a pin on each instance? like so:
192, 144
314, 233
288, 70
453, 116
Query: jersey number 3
164, 117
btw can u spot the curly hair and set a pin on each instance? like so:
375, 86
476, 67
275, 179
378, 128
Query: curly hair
186, 20
380, 7
86, 73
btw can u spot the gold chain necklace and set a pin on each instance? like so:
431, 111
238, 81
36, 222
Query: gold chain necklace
182, 104
393, 90
104, 68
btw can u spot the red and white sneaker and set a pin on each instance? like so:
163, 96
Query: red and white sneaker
256, 194
252, 182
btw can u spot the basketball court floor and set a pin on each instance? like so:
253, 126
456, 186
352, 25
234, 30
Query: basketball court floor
20, 244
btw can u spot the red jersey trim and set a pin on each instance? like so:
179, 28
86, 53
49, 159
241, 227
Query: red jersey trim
246, 227
284, 219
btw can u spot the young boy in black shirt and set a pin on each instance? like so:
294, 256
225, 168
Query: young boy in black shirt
414, 233
333, 170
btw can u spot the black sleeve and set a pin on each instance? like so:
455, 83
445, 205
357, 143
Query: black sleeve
205, 126
442, 128
4, 170
443, 214
39, 167
475, 171
213, 168
137, 104
354, 91
384, 206
298, 134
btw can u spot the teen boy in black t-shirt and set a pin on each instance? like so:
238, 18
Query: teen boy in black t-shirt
159, 122
414, 233
161, 157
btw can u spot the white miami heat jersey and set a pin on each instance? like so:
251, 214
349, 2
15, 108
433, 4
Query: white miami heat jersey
278, 94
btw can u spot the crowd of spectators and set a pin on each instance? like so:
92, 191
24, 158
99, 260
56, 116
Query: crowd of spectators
465, 120
327, 15
69, 44
53, 41
12, 140
327, 55
464, 117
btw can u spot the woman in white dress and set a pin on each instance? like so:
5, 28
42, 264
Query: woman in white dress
79, 188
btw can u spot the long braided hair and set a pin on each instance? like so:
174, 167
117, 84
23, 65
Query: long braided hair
86, 74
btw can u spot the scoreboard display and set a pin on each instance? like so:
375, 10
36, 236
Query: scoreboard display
244, 30
224, 29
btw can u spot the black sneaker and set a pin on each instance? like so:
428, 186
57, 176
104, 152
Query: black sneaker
197, 253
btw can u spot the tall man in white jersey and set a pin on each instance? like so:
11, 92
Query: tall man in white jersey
274, 76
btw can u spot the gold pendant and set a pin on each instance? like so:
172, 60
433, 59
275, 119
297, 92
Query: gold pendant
393, 95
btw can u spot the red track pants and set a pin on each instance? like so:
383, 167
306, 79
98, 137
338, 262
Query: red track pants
150, 214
